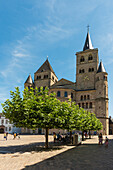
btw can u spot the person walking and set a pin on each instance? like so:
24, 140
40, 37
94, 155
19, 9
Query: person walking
54, 136
100, 139
15, 135
5, 137
106, 142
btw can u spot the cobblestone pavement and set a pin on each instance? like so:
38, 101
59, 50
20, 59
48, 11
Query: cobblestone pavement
27, 154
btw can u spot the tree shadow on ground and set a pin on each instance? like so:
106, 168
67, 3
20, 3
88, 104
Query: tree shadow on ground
83, 157
37, 147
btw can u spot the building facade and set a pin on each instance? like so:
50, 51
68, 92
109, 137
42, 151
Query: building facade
7, 126
90, 91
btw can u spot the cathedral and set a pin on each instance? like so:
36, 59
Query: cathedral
90, 91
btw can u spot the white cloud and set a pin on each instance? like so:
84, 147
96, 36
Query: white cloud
19, 55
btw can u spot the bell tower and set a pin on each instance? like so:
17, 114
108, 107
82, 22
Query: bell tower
86, 65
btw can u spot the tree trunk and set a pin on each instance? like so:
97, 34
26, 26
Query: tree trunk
89, 135
82, 135
46, 136
71, 137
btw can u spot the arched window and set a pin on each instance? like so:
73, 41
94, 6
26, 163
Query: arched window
90, 105
72, 95
83, 71
82, 105
81, 97
82, 59
45, 76
58, 93
88, 97
65, 94
84, 97
86, 105
38, 77
90, 57
105, 78
89, 69
79, 104
92, 69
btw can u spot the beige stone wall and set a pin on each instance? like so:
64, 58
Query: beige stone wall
101, 85
91, 99
101, 104
86, 80
62, 91
105, 123
92, 80
45, 82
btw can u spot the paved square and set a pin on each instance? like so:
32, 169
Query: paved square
27, 153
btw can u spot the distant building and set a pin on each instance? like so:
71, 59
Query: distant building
110, 125
90, 91
7, 126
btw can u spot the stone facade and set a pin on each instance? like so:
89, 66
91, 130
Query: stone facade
90, 91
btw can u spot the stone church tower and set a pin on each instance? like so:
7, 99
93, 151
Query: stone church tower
91, 83
90, 91
43, 77
101, 104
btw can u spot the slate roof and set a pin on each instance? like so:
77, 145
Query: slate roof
101, 68
88, 43
29, 80
63, 84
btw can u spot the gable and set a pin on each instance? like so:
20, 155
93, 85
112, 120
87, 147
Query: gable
45, 67
64, 84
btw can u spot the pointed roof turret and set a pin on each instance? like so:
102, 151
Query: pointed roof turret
88, 43
29, 80
101, 68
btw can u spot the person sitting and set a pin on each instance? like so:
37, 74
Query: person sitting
58, 136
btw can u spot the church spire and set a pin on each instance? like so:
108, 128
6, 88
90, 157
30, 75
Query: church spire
88, 43
29, 80
101, 68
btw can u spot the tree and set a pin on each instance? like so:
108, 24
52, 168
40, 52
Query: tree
42, 110
13, 109
35, 110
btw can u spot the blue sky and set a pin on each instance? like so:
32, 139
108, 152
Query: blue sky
31, 30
